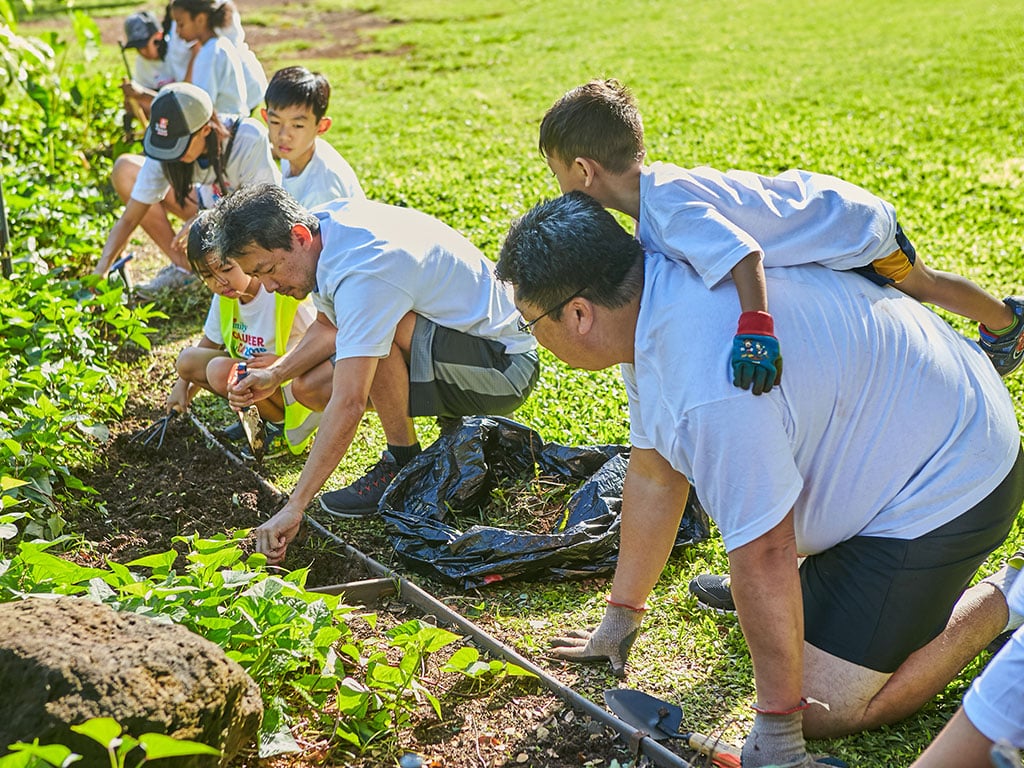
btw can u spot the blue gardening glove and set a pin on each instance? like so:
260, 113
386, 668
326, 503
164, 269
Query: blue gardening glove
756, 360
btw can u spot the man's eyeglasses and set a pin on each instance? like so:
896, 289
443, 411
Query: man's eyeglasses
527, 327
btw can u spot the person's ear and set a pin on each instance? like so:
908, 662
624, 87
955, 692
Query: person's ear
301, 235
582, 314
323, 126
587, 169
263, 114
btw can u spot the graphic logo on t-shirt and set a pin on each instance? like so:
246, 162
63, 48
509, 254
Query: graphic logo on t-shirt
247, 344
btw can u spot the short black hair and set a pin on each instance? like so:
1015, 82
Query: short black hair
201, 243
571, 246
298, 86
598, 120
258, 214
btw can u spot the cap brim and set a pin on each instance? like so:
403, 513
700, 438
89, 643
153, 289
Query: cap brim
164, 149
136, 43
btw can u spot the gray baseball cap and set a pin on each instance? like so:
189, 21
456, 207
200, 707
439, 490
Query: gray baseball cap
178, 111
139, 27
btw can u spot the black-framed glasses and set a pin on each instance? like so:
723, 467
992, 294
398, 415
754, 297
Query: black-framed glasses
527, 327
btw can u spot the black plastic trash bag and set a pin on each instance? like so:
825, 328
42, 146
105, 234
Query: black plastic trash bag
456, 475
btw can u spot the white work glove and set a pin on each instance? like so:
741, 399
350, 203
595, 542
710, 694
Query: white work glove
611, 640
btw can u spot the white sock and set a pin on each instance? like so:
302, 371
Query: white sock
1003, 580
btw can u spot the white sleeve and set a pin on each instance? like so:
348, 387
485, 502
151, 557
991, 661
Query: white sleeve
367, 311
218, 71
637, 436
695, 233
150, 185
211, 328
250, 161
743, 465
995, 702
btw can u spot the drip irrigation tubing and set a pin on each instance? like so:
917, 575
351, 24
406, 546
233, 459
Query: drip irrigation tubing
388, 581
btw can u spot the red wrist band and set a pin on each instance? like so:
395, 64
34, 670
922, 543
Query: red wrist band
625, 605
804, 704
756, 322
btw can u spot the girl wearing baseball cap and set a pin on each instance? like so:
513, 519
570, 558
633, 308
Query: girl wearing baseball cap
192, 159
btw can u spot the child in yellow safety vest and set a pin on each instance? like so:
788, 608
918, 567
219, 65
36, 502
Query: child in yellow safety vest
245, 322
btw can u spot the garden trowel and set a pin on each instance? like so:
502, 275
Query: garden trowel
252, 424
661, 720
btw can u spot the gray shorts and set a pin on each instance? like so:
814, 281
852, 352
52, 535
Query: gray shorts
455, 374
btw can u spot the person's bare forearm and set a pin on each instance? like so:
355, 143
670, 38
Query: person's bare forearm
119, 235
653, 497
766, 590
316, 346
751, 286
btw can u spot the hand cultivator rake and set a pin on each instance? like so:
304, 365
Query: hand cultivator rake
154, 431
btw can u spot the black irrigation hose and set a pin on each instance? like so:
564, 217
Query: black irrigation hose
431, 606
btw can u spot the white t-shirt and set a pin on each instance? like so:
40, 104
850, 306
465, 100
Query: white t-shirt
255, 325
152, 74
250, 162
179, 52
995, 702
218, 71
712, 220
886, 423
379, 262
326, 177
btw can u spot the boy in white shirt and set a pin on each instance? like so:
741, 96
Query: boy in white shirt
727, 223
312, 170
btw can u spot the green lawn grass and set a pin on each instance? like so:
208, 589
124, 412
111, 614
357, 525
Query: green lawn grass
919, 101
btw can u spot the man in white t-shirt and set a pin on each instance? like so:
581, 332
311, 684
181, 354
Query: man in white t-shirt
889, 457
417, 323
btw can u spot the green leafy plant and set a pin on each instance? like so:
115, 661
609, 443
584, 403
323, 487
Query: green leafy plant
57, 341
297, 645
486, 674
108, 734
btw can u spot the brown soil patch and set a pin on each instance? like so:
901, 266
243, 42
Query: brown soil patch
322, 33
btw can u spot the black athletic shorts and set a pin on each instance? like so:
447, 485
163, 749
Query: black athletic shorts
873, 601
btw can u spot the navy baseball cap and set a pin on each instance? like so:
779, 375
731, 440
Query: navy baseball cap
177, 112
139, 27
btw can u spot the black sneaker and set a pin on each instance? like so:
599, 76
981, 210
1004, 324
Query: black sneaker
362, 497
1007, 351
713, 591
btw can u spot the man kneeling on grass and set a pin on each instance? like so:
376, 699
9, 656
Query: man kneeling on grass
416, 320
889, 456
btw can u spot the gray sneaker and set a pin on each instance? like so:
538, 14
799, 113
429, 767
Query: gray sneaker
170, 278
